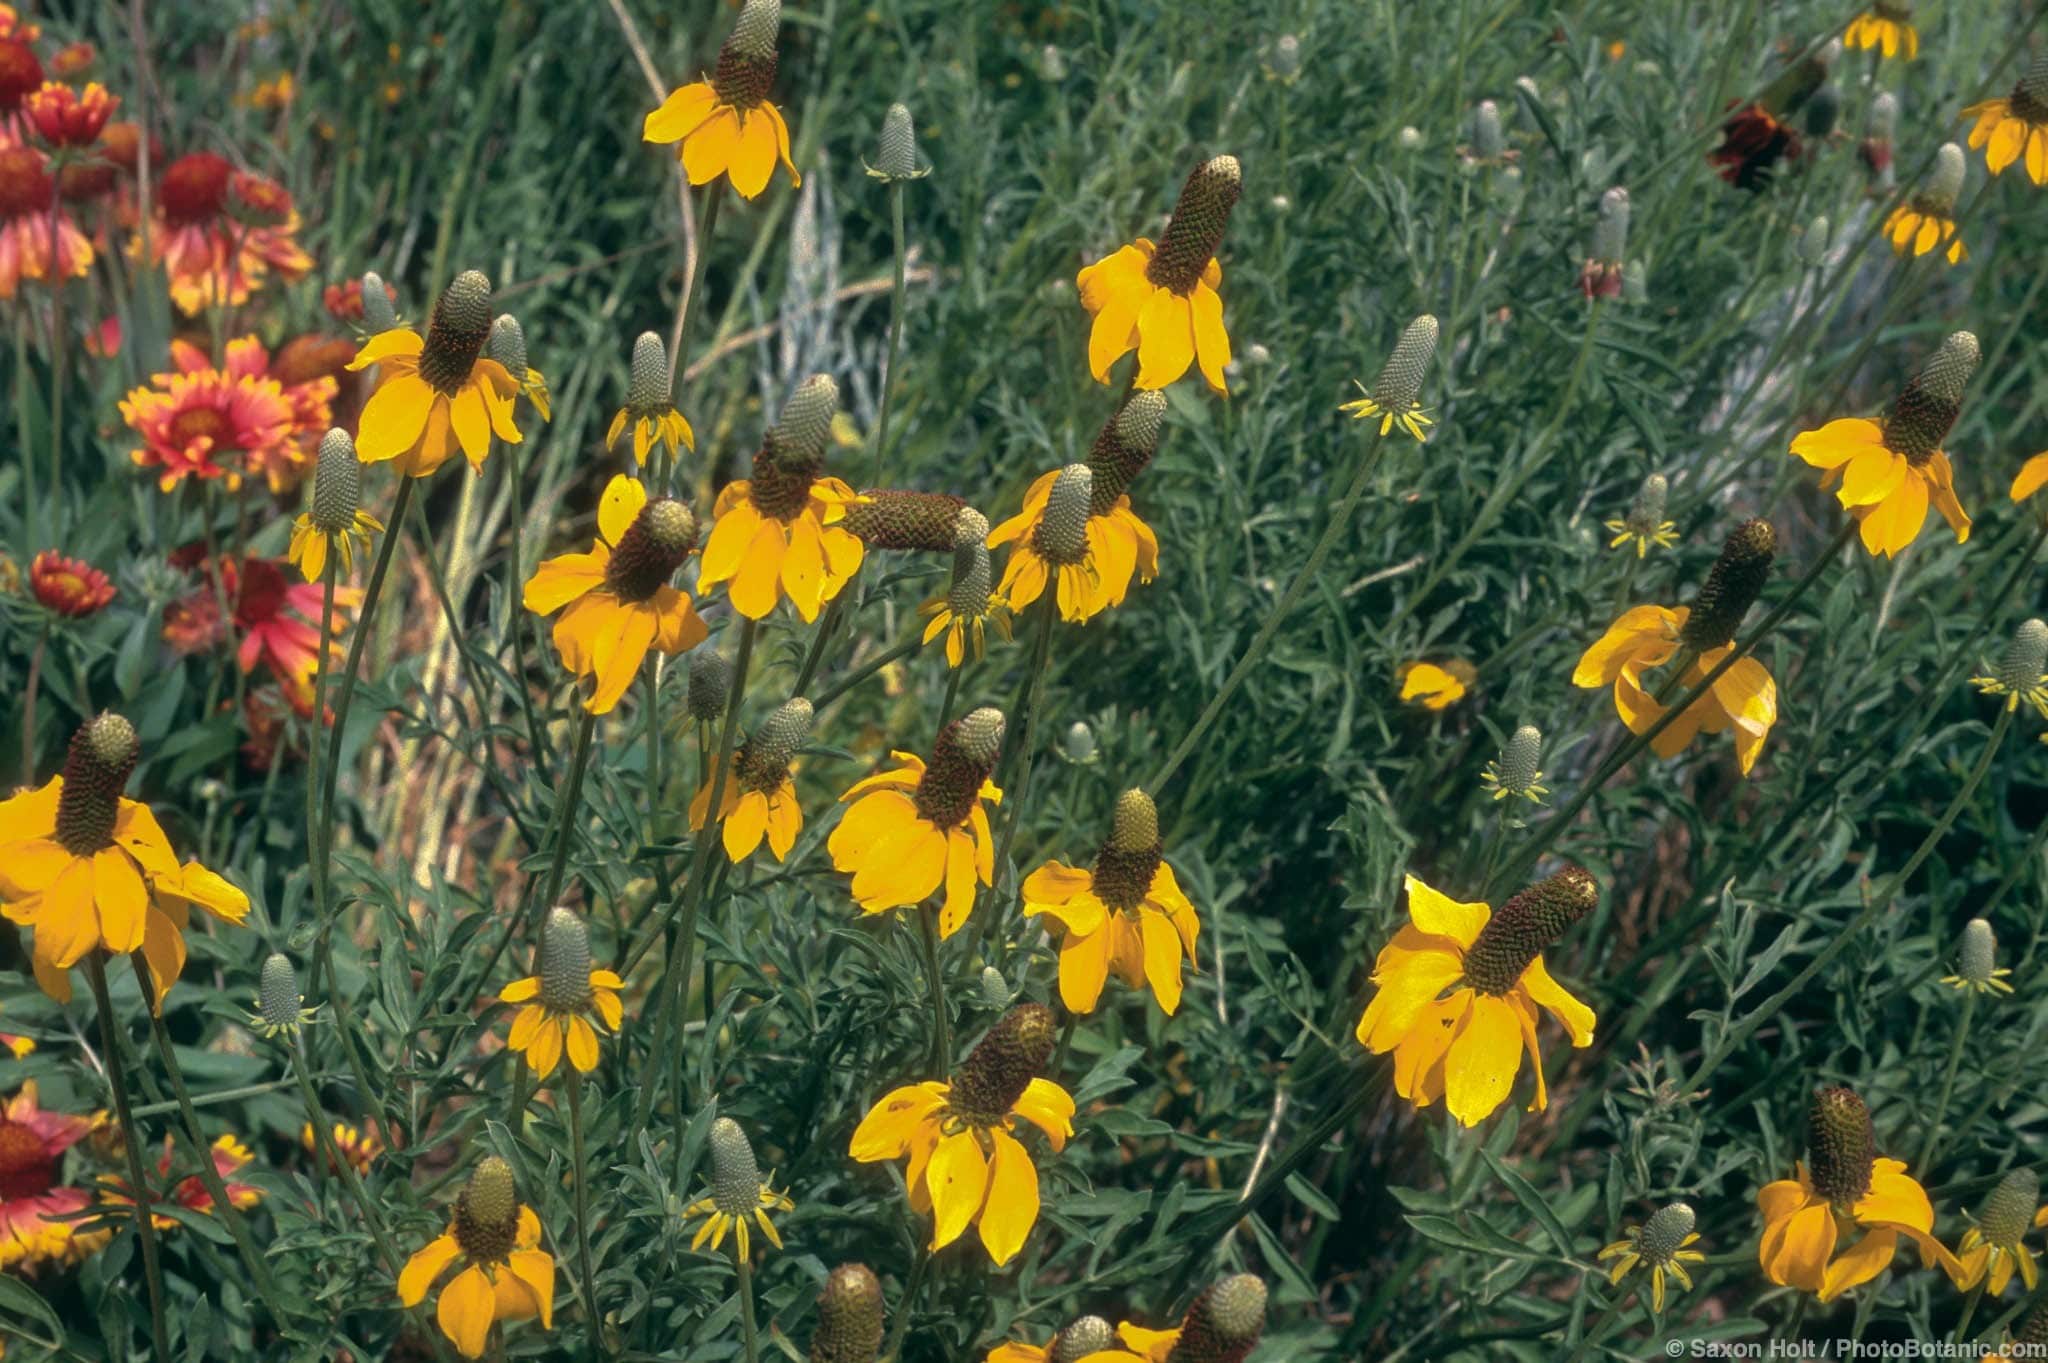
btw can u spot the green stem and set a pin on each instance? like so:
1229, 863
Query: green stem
1339, 519
895, 328
686, 306
1948, 1082
901, 1325
745, 1271
131, 1145
582, 1193
1969, 1303
942, 1045
515, 612
373, 1220
863, 672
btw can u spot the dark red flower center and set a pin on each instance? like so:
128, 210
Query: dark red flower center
27, 1167
195, 187
25, 186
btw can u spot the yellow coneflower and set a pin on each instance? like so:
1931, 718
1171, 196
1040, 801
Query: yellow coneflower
336, 521
280, 1008
2016, 127
1991, 1250
1514, 774
760, 797
965, 1167
739, 1195
1887, 26
2021, 674
437, 395
1060, 550
1081, 1338
618, 598
1845, 1188
778, 534
1977, 967
1744, 700
649, 410
508, 347
850, 1317
1928, 219
1890, 470
1395, 396
1465, 1046
87, 870
1435, 686
727, 124
560, 998
505, 1275
1117, 543
962, 616
916, 829
1161, 301
1645, 524
1125, 912
1662, 1244
1222, 1325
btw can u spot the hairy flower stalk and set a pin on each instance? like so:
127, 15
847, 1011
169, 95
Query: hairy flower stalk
850, 1310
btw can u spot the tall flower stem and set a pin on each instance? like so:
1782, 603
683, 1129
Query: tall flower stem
1948, 1080
745, 1272
901, 1325
196, 1145
1741, 1031
58, 326
1030, 699
373, 1219
895, 328
1970, 1303
942, 1045
131, 1145
515, 478
686, 306
582, 1195
1339, 519
319, 706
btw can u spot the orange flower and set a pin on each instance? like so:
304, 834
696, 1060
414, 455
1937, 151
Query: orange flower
28, 196
64, 117
34, 1208
228, 1156
225, 423
211, 258
68, 586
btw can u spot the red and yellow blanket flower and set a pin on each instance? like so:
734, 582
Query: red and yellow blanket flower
502, 1274
965, 1167
1928, 219
219, 232
1835, 1224
779, 534
727, 125
28, 195
440, 394
560, 997
239, 420
1161, 301
359, 1146
88, 870
1125, 912
1456, 994
760, 795
35, 1206
616, 601
1891, 470
1223, 1323
1114, 544
64, 117
2015, 128
1743, 701
916, 829
1887, 26
68, 586
227, 1155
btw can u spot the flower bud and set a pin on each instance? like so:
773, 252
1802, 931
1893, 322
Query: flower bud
1646, 512
1409, 138
1823, 110
968, 594
103, 753
1052, 64
1128, 861
2009, 1210
456, 334
1003, 1064
896, 157
1927, 407
337, 483
1077, 744
1944, 183
1196, 229
798, 437
1978, 953
1488, 140
1518, 761
1525, 927
564, 962
710, 684
849, 1317
2023, 668
277, 992
1883, 119
995, 990
1813, 243
378, 315
508, 346
1732, 586
1610, 229
1841, 1145
1284, 61
647, 391
1061, 536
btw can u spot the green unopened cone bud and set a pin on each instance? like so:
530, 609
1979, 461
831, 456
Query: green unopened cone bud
968, 593
1525, 927
487, 1213
1519, 759
456, 335
710, 684
1813, 243
377, 312
508, 346
1978, 954
1124, 447
755, 31
1286, 64
1061, 537
962, 759
1664, 1233
651, 550
1944, 184
1195, 231
2009, 1210
764, 762
1223, 1323
647, 386
1003, 1064
1610, 229
277, 992
1082, 1337
2020, 669
735, 1175
1732, 586
1488, 141
1882, 123
103, 753
1127, 862
337, 483
892, 518
799, 435
1646, 512
995, 990
1400, 380
896, 157
1136, 823
1927, 407
564, 963
1077, 744
1841, 1146
849, 1317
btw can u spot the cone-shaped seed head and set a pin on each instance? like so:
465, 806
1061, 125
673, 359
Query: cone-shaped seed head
1196, 228
1840, 1145
1123, 448
2025, 659
1927, 407
1646, 512
962, 759
1526, 926
710, 684
2030, 96
1883, 119
1135, 826
1062, 534
1488, 141
1732, 586
735, 1176
647, 387
798, 437
765, 762
1128, 861
1665, 1232
2033, 1330
755, 30
1003, 1064
968, 594
1610, 229
103, 752
508, 346
2009, 1210
1823, 110
651, 550
487, 1213
1944, 183
337, 483
1519, 759
1087, 1335
849, 1317
277, 991
564, 963
995, 990
1223, 1323
456, 335
1400, 380
377, 313
896, 158
895, 519
1979, 952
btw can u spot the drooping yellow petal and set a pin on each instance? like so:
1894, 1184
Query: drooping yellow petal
1480, 1067
1438, 914
957, 1177
619, 507
393, 418
1012, 1206
419, 1272
466, 1310
1556, 1000
1859, 1263
1166, 339
884, 1134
